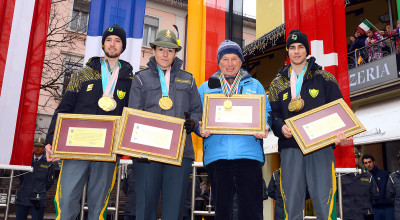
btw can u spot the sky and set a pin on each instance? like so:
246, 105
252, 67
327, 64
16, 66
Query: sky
249, 7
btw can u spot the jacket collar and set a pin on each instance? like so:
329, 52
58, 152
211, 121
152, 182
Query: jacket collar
312, 65
213, 81
175, 67
124, 72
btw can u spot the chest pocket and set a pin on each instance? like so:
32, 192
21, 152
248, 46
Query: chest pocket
182, 94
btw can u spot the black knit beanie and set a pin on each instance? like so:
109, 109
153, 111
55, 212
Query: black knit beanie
295, 36
115, 30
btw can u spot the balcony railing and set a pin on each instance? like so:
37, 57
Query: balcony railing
369, 53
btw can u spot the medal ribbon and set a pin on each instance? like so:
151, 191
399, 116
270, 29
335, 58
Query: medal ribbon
109, 80
296, 82
230, 89
163, 82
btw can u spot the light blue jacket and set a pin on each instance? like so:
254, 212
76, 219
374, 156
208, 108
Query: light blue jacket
231, 147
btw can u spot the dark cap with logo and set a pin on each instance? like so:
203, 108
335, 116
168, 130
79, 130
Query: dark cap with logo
114, 30
166, 38
295, 36
39, 142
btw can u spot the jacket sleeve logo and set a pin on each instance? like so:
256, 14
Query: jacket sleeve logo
285, 96
313, 92
89, 87
120, 94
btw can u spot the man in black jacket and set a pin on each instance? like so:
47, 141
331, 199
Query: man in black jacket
382, 208
34, 185
299, 87
358, 192
99, 88
393, 190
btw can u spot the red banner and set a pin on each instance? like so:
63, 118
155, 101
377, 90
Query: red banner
324, 23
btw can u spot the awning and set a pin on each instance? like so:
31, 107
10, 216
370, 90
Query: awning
382, 121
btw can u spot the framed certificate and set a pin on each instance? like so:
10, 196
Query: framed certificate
156, 137
245, 115
85, 137
317, 128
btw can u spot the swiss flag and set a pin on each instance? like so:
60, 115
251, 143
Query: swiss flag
324, 23
23, 32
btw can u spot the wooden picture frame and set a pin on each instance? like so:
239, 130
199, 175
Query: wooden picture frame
317, 128
247, 116
85, 137
153, 136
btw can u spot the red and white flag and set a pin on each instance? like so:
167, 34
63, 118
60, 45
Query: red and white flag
324, 23
23, 32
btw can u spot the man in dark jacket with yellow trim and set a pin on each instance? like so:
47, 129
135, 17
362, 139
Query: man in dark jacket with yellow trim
82, 96
299, 87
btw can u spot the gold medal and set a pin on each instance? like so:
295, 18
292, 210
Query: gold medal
107, 103
228, 104
296, 105
165, 103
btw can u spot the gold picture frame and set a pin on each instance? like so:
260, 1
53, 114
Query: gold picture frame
136, 124
94, 137
317, 128
255, 123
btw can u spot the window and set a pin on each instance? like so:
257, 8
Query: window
70, 64
80, 15
150, 29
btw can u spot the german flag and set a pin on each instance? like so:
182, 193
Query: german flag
209, 23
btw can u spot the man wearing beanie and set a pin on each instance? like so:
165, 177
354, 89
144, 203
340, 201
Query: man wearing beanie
233, 162
164, 88
89, 93
299, 87
358, 190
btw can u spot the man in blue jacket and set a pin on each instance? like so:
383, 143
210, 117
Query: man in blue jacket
382, 208
234, 161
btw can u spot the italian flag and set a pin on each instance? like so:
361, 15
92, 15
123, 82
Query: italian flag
364, 27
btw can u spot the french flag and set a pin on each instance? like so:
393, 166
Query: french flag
129, 14
23, 33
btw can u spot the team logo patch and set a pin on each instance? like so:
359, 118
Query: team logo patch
110, 29
89, 87
294, 37
313, 92
285, 96
120, 94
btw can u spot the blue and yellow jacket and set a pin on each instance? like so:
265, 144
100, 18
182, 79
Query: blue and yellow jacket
231, 147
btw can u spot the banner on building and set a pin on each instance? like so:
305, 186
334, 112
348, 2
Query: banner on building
127, 14
324, 23
23, 33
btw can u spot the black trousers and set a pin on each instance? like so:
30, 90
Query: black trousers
241, 176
